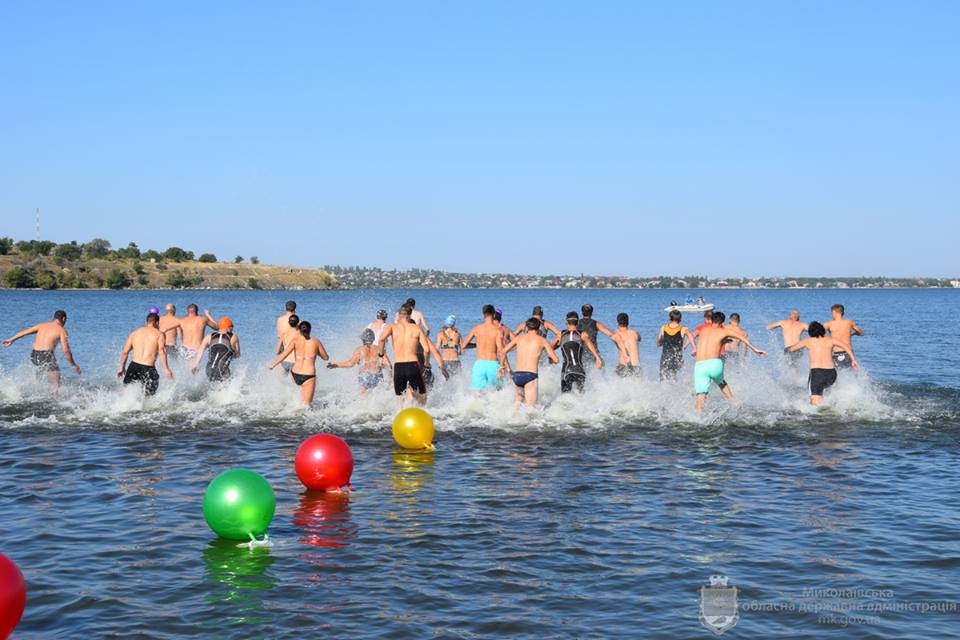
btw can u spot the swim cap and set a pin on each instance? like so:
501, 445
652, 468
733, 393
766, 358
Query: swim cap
367, 337
499, 310
153, 310
226, 323
451, 321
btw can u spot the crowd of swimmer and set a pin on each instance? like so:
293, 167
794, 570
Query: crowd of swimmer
713, 344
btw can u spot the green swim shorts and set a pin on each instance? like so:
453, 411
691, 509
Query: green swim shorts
705, 372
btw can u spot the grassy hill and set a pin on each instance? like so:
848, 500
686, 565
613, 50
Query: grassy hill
19, 270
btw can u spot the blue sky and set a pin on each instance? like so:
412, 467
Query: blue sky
743, 138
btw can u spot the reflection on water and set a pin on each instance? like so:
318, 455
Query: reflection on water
240, 578
412, 471
323, 520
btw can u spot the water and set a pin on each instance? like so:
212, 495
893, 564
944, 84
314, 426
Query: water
596, 516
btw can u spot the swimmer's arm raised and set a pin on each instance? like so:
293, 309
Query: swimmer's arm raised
774, 325
22, 334
213, 324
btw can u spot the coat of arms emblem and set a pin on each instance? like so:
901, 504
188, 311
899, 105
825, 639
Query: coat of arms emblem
718, 605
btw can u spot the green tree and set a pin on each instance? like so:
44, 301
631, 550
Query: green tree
131, 252
69, 280
118, 279
68, 251
253, 284
178, 280
97, 248
150, 254
20, 278
207, 257
35, 247
238, 260
47, 279
6, 245
254, 260
176, 254
138, 268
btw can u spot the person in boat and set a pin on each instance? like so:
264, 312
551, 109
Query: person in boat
306, 351
628, 346
709, 367
449, 343
223, 346
823, 370
47, 336
372, 364
671, 340
689, 298
573, 344
843, 329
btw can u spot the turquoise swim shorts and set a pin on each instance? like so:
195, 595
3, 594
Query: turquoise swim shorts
705, 372
485, 374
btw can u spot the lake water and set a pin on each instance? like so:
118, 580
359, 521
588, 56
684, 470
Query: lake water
599, 515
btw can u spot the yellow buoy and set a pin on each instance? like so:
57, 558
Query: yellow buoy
413, 429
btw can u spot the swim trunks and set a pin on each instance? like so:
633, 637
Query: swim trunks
523, 378
705, 372
408, 374
485, 374
841, 360
821, 379
300, 378
369, 380
141, 373
628, 370
172, 351
44, 361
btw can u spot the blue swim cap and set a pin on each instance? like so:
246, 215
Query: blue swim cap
451, 321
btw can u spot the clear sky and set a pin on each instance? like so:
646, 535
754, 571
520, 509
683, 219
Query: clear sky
724, 138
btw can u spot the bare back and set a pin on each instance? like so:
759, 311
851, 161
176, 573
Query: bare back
842, 329
710, 341
306, 351
406, 336
529, 346
792, 330
48, 335
168, 325
627, 341
488, 337
193, 329
146, 343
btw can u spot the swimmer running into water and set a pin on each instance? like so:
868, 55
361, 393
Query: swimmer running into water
224, 346
545, 325
709, 367
529, 345
48, 335
843, 329
407, 337
372, 364
172, 331
292, 333
449, 343
671, 340
628, 346
306, 350
488, 337
193, 327
147, 344
573, 345
792, 330
823, 371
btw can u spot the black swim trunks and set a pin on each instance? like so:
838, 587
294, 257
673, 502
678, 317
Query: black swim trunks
141, 373
628, 370
408, 374
523, 378
44, 361
821, 380
300, 378
841, 360
570, 379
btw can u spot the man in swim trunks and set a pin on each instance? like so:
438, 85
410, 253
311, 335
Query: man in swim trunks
172, 331
671, 340
529, 345
407, 371
733, 349
707, 321
573, 345
591, 328
284, 326
224, 346
372, 364
284, 341
147, 344
415, 315
843, 329
823, 371
48, 335
709, 367
489, 344
628, 346
193, 328
792, 329
449, 343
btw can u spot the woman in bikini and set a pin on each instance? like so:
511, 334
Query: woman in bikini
448, 344
305, 350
